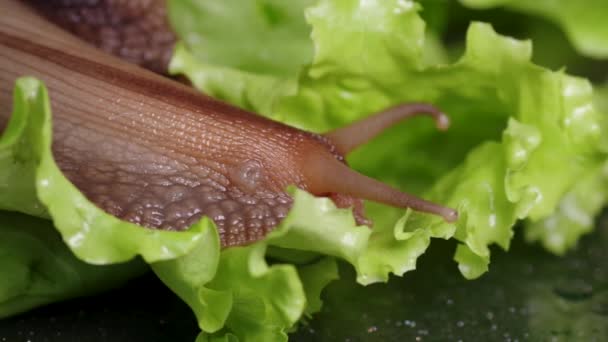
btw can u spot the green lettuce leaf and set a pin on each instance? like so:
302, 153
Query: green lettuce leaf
523, 140
31, 182
582, 20
578, 208
203, 25
576, 213
513, 121
526, 135
237, 293
601, 103
231, 290
38, 268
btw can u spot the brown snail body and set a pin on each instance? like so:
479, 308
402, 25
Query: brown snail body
157, 153
134, 30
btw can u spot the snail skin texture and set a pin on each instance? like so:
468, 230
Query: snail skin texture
157, 153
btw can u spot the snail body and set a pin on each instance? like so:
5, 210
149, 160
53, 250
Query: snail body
157, 153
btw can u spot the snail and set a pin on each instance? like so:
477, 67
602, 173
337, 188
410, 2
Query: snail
155, 152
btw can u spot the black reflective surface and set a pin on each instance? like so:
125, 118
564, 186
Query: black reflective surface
527, 295
144, 310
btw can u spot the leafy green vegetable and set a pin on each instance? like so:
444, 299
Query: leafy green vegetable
238, 291
526, 136
583, 20
230, 290
38, 268
513, 121
31, 182
237, 45
575, 215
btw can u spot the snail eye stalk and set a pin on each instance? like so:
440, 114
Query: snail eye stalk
328, 175
358, 133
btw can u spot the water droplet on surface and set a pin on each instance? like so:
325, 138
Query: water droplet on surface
408, 323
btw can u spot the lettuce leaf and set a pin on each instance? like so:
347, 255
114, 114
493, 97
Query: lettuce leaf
31, 183
203, 26
579, 207
527, 114
576, 213
237, 293
231, 290
582, 20
38, 268
523, 139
